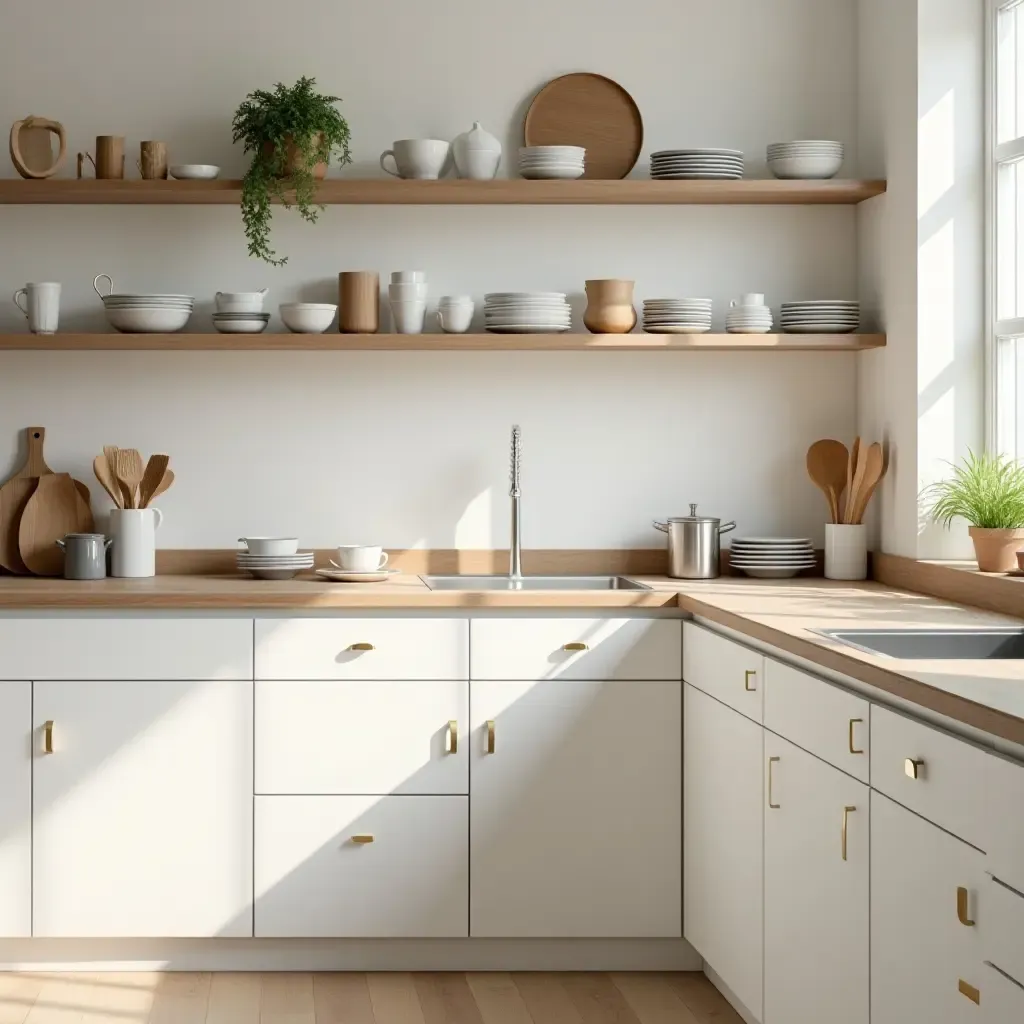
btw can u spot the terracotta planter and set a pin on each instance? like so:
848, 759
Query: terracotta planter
996, 550
609, 307
293, 159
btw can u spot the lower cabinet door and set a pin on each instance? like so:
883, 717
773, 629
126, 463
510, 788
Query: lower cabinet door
575, 809
723, 857
925, 963
1002, 998
142, 809
362, 866
15, 810
816, 896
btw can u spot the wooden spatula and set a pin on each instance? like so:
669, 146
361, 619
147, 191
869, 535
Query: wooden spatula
163, 485
874, 469
101, 468
56, 508
14, 496
130, 472
152, 478
827, 462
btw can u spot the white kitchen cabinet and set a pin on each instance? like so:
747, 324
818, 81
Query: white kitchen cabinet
723, 827
15, 810
575, 809
816, 902
920, 950
726, 670
143, 811
1002, 998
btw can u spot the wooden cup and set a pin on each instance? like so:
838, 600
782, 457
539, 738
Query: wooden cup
152, 162
109, 162
359, 302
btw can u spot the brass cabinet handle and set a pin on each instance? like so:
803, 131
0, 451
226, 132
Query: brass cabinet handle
751, 673
575, 646
362, 838
846, 817
490, 735
970, 991
362, 647
853, 749
961, 907
453, 736
771, 761
912, 768
48, 737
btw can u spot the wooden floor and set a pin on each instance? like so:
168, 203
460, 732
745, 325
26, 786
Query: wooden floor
177, 998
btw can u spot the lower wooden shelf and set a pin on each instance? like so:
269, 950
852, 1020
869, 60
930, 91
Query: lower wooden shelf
335, 342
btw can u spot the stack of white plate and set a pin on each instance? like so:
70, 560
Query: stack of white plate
551, 161
274, 567
809, 159
148, 314
527, 312
682, 164
772, 558
241, 323
744, 319
820, 316
677, 316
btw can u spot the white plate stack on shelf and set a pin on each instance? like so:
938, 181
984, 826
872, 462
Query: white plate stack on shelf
808, 160
693, 164
527, 313
677, 316
274, 567
551, 161
820, 316
772, 558
748, 315
241, 323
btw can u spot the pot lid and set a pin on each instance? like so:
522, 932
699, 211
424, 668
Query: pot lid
693, 517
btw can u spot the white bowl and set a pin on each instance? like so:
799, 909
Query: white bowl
308, 317
194, 172
270, 545
538, 173
240, 326
805, 167
240, 302
143, 320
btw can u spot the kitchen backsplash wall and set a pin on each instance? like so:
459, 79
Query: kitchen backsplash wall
412, 448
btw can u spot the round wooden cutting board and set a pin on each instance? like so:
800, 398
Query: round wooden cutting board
584, 109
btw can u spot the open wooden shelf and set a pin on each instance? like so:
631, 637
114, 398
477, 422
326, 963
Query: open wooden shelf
353, 191
334, 342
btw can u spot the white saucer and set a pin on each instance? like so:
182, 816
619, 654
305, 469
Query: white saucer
343, 576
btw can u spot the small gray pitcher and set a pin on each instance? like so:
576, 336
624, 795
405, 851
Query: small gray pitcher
85, 556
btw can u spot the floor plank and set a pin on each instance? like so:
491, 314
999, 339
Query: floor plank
546, 999
499, 1000
597, 999
234, 998
342, 999
93, 998
18, 993
287, 998
394, 998
446, 999
706, 1003
653, 999
181, 997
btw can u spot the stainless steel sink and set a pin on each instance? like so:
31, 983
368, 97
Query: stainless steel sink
531, 583
935, 644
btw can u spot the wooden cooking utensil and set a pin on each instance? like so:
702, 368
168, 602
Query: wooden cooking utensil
592, 111
14, 496
851, 465
874, 469
827, 462
859, 470
102, 470
56, 508
163, 485
152, 478
130, 472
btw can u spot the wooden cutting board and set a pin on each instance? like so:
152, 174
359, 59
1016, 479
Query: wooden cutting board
14, 496
56, 508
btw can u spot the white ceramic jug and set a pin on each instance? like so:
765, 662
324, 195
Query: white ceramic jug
477, 154
134, 534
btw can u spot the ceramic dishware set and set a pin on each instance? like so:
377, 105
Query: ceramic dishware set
423, 159
455, 313
307, 317
42, 306
272, 558
772, 558
552, 161
820, 316
749, 315
358, 563
677, 316
144, 313
240, 312
477, 154
527, 313
694, 164
407, 298
810, 159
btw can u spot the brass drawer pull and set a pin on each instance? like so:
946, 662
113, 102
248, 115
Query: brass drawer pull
362, 839
961, 907
913, 768
751, 673
453, 736
490, 735
362, 647
971, 992
575, 646
853, 723
846, 818
771, 761
48, 737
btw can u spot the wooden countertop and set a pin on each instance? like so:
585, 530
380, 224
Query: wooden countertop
987, 695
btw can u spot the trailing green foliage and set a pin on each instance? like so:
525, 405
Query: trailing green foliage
269, 123
986, 490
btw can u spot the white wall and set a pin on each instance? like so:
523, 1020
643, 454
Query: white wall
412, 448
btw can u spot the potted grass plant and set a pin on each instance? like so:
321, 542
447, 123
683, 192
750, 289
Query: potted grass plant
988, 492
292, 134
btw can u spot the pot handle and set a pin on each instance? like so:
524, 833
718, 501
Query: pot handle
660, 526
726, 527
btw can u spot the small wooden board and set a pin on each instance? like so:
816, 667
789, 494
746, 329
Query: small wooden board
56, 508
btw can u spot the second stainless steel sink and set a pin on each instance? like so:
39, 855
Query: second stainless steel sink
532, 583
935, 644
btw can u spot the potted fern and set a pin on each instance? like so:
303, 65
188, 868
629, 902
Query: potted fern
292, 133
987, 491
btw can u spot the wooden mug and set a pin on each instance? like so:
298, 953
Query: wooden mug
359, 302
109, 162
152, 162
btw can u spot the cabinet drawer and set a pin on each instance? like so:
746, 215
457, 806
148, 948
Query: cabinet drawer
1005, 840
951, 775
820, 717
546, 649
1002, 999
334, 648
126, 648
1001, 921
314, 880
726, 670
346, 737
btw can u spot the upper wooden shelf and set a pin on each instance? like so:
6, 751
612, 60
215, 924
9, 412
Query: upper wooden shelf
628, 192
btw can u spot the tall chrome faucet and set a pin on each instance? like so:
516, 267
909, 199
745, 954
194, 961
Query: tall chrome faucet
515, 568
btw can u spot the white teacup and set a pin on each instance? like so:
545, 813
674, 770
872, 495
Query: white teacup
240, 302
408, 316
416, 158
455, 317
360, 558
752, 299
270, 545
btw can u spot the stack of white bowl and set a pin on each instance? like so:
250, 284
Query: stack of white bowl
677, 316
684, 164
551, 161
240, 312
273, 558
144, 313
820, 316
527, 313
407, 297
748, 315
809, 159
772, 558
307, 317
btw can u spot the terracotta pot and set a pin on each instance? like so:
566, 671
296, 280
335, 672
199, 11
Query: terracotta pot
996, 550
293, 159
609, 307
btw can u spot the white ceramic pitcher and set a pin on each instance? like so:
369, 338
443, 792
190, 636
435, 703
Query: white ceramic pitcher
133, 531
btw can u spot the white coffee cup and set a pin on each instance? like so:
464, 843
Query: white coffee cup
407, 292
134, 534
455, 317
42, 306
416, 158
408, 277
240, 302
408, 316
752, 299
360, 558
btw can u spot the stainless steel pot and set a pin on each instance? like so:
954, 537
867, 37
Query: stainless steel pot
694, 546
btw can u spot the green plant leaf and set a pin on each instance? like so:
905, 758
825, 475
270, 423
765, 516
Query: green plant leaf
986, 490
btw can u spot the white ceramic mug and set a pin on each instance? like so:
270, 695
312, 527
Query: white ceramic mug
407, 292
360, 558
408, 317
42, 306
846, 551
240, 302
752, 299
133, 531
408, 277
416, 158
455, 316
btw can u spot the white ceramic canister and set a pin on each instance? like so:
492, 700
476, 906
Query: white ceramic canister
846, 551
133, 531
477, 154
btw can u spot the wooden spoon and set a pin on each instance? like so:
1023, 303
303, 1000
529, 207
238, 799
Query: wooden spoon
110, 454
163, 485
101, 467
856, 488
827, 463
874, 470
850, 467
152, 478
130, 472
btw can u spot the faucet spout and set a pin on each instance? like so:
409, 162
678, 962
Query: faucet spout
515, 569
